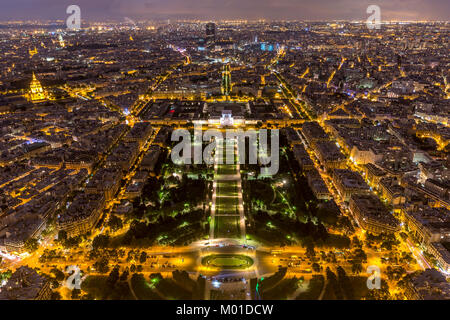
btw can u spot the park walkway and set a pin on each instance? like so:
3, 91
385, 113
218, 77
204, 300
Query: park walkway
227, 212
227, 216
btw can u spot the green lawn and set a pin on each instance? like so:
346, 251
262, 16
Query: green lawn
226, 169
226, 200
227, 206
227, 188
228, 261
227, 227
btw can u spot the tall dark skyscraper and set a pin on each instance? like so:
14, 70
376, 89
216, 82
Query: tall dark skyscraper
210, 31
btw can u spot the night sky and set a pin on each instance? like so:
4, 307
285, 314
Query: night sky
100, 10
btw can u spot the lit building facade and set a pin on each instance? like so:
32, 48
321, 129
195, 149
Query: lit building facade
37, 93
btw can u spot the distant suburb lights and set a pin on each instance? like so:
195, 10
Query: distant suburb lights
74, 20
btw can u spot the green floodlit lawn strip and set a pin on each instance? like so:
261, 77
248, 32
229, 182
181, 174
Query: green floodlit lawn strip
227, 198
227, 188
226, 169
227, 227
227, 220
228, 261
227, 210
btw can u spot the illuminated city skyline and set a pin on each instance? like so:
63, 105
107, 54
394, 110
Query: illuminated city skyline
224, 158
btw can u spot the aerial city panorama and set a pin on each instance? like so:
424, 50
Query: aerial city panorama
224, 150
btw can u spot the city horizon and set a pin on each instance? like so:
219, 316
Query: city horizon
322, 10
223, 165
234, 20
